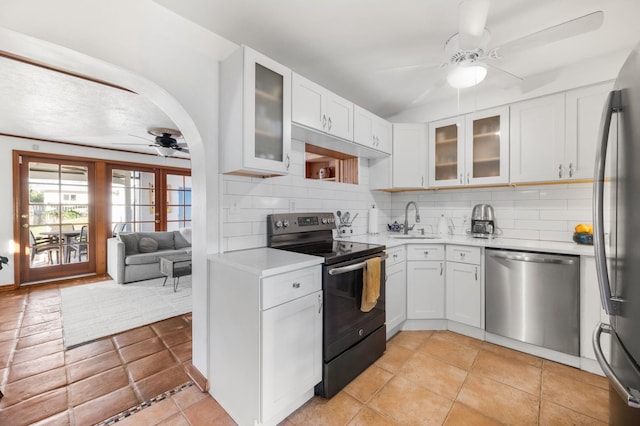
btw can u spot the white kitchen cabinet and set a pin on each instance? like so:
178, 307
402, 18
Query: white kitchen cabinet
255, 115
425, 281
470, 150
554, 138
315, 107
266, 341
537, 139
371, 131
396, 290
583, 113
409, 159
464, 285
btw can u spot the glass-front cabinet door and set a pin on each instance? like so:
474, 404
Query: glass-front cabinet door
255, 114
446, 152
487, 147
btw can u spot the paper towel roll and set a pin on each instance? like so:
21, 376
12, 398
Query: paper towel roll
373, 220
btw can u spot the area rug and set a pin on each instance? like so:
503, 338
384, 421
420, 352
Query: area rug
97, 310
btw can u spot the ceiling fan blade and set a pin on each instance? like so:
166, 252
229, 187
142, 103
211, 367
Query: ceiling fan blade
410, 68
568, 29
140, 137
472, 20
505, 79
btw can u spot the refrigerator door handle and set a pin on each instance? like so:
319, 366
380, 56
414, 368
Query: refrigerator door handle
611, 305
632, 396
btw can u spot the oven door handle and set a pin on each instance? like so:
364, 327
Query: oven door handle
354, 267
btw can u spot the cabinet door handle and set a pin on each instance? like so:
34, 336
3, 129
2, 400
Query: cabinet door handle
296, 285
467, 177
421, 180
319, 303
287, 162
570, 170
426, 252
329, 123
461, 179
395, 256
559, 171
441, 269
476, 273
324, 121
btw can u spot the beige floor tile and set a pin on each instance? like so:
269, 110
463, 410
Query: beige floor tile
368, 417
578, 396
461, 415
577, 374
452, 348
368, 383
499, 401
556, 415
509, 371
406, 403
410, 339
189, 396
433, 374
153, 414
337, 411
393, 358
510, 353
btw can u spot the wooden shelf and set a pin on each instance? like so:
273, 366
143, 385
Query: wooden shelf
451, 164
486, 135
267, 134
486, 160
446, 141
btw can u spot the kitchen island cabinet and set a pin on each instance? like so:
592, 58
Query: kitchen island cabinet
255, 115
266, 322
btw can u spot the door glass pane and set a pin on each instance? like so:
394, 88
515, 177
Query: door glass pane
178, 202
269, 114
486, 147
132, 201
446, 152
58, 209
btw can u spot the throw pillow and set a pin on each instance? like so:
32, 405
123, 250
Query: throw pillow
180, 241
147, 245
130, 243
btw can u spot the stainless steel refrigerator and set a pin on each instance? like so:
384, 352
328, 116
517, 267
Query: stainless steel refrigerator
616, 209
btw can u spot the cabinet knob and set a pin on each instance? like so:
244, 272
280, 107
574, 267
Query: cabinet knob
467, 177
296, 285
441, 269
570, 170
559, 171
329, 123
324, 121
462, 255
461, 181
287, 162
426, 252
319, 303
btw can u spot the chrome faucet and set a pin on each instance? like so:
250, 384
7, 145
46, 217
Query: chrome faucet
406, 216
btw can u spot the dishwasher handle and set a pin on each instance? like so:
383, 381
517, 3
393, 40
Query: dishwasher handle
532, 257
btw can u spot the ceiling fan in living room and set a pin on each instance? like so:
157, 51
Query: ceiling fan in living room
165, 141
470, 55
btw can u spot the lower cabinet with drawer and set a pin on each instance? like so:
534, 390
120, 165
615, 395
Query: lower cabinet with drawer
396, 290
464, 285
425, 281
267, 341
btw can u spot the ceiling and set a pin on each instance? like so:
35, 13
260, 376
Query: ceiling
350, 46
50, 105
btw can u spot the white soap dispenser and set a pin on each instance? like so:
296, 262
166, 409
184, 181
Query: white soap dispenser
442, 226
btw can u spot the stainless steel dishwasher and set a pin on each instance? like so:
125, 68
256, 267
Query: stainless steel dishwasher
534, 298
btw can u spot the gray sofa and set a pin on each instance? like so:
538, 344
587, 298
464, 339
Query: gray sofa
135, 256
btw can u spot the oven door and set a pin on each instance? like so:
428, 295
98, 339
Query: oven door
344, 323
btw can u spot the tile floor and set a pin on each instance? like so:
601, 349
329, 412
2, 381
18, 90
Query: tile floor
423, 378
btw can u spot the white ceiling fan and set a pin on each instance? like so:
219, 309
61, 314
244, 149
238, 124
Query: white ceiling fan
165, 142
470, 55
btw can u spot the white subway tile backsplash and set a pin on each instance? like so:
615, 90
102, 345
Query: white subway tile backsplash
541, 204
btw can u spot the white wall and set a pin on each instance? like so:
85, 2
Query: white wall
247, 201
156, 53
542, 212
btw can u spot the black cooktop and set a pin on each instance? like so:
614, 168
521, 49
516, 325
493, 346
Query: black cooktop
336, 251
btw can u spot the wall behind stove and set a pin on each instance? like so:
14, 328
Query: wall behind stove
247, 201
543, 212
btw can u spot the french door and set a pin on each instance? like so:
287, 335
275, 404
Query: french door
56, 217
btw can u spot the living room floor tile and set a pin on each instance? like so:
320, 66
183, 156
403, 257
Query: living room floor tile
36, 339
98, 385
161, 382
141, 349
92, 366
150, 365
89, 350
133, 336
170, 325
37, 351
177, 337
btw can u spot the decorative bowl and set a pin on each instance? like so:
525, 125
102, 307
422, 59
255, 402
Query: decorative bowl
583, 238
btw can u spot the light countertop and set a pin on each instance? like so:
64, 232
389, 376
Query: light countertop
501, 243
266, 261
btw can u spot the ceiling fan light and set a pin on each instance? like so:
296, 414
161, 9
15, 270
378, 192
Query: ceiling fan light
164, 151
463, 76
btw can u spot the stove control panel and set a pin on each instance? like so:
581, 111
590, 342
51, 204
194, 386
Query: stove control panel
290, 223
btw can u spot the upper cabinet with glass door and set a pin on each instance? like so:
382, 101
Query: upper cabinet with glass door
470, 150
255, 115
